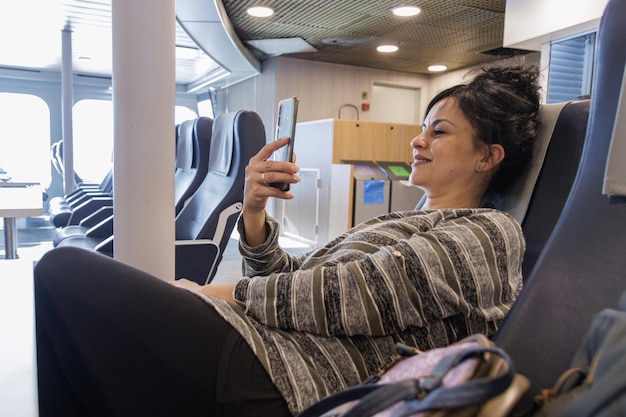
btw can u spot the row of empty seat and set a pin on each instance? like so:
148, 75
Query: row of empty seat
209, 178
91, 224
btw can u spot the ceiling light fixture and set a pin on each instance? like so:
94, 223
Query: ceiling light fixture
406, 11
437, 68
207, 80
260, 11
387, 48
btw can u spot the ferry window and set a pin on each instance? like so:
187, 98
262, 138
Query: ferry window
205, 108
93, 136
182, 113
25, 137
571, 68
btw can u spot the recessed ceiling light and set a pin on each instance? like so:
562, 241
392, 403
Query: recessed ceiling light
260, 11
406, 11
387, 48
437, 68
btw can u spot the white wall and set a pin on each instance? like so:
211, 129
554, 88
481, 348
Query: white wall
529, 23
323, 87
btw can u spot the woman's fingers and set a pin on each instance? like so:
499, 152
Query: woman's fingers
266, 152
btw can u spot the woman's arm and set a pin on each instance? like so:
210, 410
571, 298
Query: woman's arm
469, 265
260, 172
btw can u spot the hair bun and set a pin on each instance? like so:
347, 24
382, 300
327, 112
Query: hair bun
522, 78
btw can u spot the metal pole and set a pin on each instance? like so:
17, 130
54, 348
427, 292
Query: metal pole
67, 98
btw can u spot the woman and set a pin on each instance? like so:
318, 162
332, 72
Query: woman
116, 341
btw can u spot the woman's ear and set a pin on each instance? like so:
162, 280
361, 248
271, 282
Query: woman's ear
491, 159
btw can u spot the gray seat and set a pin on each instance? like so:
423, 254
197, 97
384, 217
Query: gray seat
581, 269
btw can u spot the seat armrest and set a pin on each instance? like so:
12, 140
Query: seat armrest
87, 208
105, 246
97, 216
197, 260
101, 230
86, 197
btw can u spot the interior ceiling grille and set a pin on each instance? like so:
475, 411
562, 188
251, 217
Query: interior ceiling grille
450, 32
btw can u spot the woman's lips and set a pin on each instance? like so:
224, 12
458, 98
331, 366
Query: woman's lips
420, 160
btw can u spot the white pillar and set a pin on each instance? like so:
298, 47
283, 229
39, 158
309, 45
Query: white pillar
143, 103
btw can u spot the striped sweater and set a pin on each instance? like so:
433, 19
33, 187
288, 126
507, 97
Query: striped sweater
327, 319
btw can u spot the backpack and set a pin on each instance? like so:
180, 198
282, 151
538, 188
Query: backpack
471, 378
595, 385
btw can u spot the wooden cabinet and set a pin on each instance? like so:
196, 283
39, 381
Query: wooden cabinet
371, 141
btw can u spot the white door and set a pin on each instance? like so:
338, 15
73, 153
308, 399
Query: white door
395, 104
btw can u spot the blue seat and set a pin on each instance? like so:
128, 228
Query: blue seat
192, 158
204, 225
61, 209
193, 139
206, 221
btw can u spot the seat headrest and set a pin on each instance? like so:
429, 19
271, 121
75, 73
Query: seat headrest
222, 141
184, 145
516, 200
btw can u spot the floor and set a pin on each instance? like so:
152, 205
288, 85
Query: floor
18, 397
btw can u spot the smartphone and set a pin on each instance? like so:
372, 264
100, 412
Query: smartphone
285, 127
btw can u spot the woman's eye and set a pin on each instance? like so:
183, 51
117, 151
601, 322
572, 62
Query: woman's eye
438, 132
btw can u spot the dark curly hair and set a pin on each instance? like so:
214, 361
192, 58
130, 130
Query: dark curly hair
502, 104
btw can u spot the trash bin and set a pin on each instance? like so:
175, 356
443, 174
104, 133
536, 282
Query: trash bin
403, 195
371, 191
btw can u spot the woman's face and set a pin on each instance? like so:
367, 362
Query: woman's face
446, 158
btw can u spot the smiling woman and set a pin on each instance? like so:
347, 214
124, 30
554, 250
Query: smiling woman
501, 104
451, 166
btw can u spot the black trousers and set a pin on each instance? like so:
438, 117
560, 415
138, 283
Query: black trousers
116, 341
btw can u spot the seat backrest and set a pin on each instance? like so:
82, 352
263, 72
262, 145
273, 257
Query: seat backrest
56, 157
192, 158
204, 225
581, 269
553, 182
237, 137
106, 184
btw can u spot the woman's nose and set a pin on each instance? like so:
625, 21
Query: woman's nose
419, 141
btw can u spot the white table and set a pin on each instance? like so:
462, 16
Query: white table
17, 199
18, 361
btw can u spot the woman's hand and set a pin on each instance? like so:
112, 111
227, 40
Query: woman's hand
221, 291
260, 172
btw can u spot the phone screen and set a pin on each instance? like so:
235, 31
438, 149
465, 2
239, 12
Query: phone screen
285, 127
